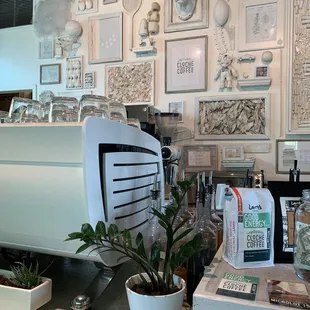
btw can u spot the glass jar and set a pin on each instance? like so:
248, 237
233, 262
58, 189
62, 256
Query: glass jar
4, 117
24, 110
95, 106
302, 238
118, 112
64, 109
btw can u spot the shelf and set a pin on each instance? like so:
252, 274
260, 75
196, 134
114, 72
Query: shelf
255, 83
205, 296
145, 51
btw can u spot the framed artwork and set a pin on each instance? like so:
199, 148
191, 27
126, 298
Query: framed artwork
89, 79
105, 42
46, 49
186, 15
177, 107
232, 152
261, 71
74, 73
235, 117
298, 68
186, 65
109, 1
131, 83
289, 150
198, 158
86, 6
261, 24
50, 74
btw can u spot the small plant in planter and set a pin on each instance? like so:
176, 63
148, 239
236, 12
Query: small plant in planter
151, 282
24, 288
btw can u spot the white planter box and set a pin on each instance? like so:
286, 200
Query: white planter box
12, 298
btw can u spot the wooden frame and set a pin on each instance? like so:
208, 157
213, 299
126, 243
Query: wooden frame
247, 42
300, 150
226, 149
94, 40
71, 61
198, 158
181, 61
239, 99
195, 22
140, 79
266, 72
55, 76
92, 75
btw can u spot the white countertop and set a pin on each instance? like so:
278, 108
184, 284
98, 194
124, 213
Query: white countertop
205, 296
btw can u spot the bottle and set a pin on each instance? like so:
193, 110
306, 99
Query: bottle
302, 238
154, 231
216, 220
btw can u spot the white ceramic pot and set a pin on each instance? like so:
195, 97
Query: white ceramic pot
167, 302
12, 298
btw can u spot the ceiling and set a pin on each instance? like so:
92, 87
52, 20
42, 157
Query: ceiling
15, 13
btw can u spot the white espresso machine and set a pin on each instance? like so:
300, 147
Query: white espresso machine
56, 176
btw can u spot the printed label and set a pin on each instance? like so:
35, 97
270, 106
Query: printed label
238, 286
256, 236
302, 255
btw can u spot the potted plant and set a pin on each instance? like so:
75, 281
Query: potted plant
23, 288
151, 289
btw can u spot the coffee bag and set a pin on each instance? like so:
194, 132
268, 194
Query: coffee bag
249, 228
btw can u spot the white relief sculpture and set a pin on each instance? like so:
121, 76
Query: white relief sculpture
232, 117
185, 9
226, 72
221, 13
153, 19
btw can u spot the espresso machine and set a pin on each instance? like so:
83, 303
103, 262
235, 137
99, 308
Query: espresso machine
166, 125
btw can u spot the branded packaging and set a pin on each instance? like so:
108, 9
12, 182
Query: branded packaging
249, 228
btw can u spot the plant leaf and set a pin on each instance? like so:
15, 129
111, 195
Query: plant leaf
87, 230
74, 236
155, 255
101, 229
83, 247
114, 232
127, 239
180, 225
140, 246
182, 235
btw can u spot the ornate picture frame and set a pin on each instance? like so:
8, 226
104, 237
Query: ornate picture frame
235, 117
261, 24
89, 80
298, 69
139, 74
189, 15
186, 65
105, 46
198, 158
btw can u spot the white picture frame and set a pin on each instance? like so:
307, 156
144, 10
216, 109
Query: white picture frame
47, 49
74, 72
197, 19
186, 65
261, 24
223, 123
77, 94
233, 152
89, 80
139, 74
81, 7
105, 43
261, 72
177, 107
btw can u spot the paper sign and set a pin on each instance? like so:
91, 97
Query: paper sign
199, 159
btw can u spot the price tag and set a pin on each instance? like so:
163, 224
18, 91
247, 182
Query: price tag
238, 286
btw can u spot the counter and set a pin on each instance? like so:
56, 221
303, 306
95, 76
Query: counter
205, 296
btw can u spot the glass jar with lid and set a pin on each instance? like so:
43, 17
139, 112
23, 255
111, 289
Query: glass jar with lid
118, 112
96, 106
64, 109
24, 110
302, 238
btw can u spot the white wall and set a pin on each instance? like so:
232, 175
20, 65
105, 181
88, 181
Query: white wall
18, 57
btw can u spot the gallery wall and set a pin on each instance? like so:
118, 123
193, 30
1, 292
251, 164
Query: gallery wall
20, 70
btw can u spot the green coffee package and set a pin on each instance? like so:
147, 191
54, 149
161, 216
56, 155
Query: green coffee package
249, 228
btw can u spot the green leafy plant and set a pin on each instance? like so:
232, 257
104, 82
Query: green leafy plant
111, 239
26, 278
